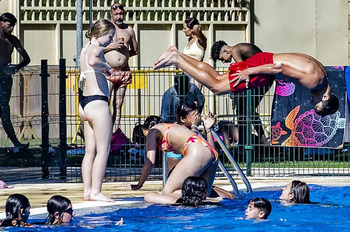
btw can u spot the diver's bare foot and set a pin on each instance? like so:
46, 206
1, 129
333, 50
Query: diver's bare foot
169, 60
100, 197
163, 57
86, 198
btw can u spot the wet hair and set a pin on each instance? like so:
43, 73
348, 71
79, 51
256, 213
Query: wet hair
300, 191
14, 204
184, 109
216, 49
55, 204
191, 22
151, 121
99, 28
194, 191
329, 106
8, 17
262, 204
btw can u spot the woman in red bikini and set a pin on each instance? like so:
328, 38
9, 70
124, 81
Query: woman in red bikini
199, 158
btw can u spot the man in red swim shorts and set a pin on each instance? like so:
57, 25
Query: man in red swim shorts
117, 54
298, 68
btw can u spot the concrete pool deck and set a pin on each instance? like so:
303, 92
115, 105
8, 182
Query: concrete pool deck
39, 191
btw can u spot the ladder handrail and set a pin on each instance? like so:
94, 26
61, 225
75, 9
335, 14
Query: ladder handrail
222, 167
228, 176
229, 156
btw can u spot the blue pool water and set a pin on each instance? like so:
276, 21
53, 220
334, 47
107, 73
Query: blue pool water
331, 212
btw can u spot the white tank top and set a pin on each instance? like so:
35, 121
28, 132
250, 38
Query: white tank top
194, 51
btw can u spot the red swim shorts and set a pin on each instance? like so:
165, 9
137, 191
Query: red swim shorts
256, 81
121, 77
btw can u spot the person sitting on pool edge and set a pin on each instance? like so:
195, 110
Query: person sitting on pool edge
258, 208
296, 192
17, 211
60, 210
258, 71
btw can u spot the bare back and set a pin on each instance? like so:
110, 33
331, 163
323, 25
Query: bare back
178, 135
94, 81
301, 69
243, 51
118, 58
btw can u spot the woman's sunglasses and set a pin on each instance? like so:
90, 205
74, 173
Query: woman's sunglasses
115, 7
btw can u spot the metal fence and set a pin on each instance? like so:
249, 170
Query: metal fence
143, 98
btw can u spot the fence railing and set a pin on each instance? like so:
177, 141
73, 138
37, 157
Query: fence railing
150, 11
143, 98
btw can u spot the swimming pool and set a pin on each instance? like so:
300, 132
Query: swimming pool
330, 213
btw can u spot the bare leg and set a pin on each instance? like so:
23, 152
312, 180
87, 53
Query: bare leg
195, 163
100, 120
118, 103
222, 193
202, 72
157, 198
86, 166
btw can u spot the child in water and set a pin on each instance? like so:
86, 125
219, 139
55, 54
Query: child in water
258, 208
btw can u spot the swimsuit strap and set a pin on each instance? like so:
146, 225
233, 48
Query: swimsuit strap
164, 143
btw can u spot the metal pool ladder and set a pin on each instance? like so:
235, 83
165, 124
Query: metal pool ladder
220, 164
234, 163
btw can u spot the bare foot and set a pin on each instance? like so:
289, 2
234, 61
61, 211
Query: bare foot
86, 198
100, 197
165, 58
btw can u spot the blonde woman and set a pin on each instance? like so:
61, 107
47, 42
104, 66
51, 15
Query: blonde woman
94, 109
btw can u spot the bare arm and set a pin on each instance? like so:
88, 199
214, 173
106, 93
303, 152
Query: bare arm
115, 45
134, 47
95, 61
20, 49
209, 121
244, 76
151, 147
202, 39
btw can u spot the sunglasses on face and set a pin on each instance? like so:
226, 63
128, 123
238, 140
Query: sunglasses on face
116, 7
69, 211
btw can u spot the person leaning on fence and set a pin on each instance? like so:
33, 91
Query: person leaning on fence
199, 158
94, 108
7, 43
258, 71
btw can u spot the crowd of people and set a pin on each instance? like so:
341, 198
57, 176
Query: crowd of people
105, 71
